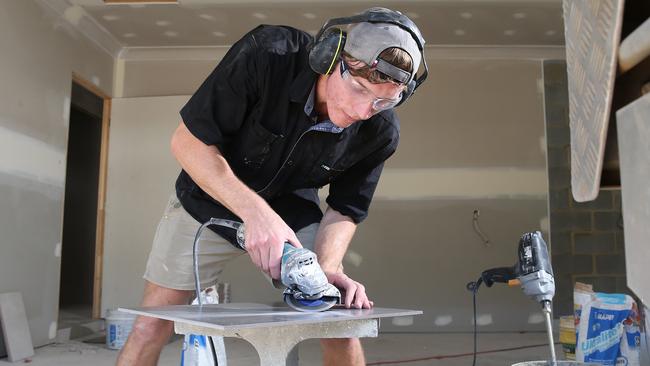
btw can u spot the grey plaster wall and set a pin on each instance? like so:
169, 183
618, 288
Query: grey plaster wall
141, 176
182, 77
35, 80
472, 138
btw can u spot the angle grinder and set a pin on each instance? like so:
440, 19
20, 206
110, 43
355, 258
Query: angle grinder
306, 286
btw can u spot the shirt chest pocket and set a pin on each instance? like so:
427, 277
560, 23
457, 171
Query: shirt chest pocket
255, 146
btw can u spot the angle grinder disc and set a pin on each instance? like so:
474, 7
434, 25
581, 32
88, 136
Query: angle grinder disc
310, 306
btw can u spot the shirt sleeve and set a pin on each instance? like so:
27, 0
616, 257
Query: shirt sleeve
351, 192
218, 108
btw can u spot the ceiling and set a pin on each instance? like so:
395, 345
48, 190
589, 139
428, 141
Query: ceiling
222, 22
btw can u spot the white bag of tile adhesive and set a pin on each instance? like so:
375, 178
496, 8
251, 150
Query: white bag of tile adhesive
608, 330
201, 350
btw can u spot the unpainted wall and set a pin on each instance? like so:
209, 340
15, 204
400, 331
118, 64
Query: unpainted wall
160, 77
141, 176
38, 59
471, 138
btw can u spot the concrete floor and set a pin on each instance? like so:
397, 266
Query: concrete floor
388, 349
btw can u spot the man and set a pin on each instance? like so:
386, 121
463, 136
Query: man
258, 138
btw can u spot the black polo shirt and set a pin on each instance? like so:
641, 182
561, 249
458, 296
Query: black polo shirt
252, 108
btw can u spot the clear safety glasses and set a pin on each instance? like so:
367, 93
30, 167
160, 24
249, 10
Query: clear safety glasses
378, 104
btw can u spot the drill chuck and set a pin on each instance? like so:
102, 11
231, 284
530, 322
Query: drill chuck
540, 286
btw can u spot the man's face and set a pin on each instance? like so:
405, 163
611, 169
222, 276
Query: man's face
353, 98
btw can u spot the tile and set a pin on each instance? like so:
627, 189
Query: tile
15, 330
633, 129
246, 315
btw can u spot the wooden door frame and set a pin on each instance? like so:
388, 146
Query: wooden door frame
101, 191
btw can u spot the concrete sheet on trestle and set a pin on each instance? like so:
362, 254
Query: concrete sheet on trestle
248, 315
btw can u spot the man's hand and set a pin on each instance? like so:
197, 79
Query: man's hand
354, 292
265, 235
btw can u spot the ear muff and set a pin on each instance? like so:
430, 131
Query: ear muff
326, 51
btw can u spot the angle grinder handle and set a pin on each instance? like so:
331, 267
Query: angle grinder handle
286, 251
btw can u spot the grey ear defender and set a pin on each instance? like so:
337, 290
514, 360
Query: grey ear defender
327, 50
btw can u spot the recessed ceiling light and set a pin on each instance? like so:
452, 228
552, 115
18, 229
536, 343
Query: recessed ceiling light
309, 15
171, 33
110, 17
206, 16
128, 35
550, 32
260, 15
412, 14
519, 15
466, 15
459, 32
218, 34
74, 14
163, 23
509, 32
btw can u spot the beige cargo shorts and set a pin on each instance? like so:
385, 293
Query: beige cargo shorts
170, 262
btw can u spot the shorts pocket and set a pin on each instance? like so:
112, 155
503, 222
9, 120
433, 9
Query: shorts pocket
173, 207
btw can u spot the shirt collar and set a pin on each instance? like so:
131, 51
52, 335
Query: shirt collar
326, 125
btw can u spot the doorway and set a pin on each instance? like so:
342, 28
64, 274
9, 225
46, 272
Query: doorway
83, 219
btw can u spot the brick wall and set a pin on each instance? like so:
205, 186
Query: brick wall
586, 238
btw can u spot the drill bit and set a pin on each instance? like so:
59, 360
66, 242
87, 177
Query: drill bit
546, 309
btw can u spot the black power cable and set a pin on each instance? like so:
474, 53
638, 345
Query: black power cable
473, 288
197, 281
